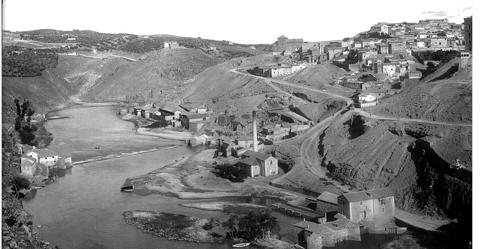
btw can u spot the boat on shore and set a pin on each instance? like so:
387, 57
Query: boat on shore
127, 188
240, 245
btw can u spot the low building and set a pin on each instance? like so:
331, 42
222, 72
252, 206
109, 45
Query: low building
414, 75
44, 156
376, 204
327, 234
197, 117
171, 45
259, 164
327, 202
438, 43
28, 167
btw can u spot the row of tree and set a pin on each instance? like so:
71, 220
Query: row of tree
254, 225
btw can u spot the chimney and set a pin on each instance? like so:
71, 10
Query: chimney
255, 133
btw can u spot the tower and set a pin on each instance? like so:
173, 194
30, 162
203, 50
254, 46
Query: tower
255, 133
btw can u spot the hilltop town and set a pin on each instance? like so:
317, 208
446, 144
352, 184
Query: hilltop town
369, 134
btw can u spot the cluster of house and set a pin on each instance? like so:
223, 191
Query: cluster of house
190, 117
39, 164
432, 34
347, 216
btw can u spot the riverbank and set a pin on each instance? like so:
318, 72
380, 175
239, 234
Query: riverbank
186, 178
175, 226
224, 206
167, 134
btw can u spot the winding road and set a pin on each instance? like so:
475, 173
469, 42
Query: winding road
310, 136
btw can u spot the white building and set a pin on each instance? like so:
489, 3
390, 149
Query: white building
44, 156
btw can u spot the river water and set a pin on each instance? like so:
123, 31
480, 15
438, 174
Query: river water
84, 208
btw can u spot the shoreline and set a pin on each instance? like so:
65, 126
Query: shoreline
122, 154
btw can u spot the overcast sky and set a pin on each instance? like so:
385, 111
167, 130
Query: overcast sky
246, 21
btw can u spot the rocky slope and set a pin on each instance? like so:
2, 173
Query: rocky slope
318, 75
158, 72
412, 160
448, 99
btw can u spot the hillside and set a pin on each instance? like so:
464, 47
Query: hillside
448, 100
318, 75
217, 83
159, 73
45, 91
413, 160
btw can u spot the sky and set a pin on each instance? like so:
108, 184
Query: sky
242, 21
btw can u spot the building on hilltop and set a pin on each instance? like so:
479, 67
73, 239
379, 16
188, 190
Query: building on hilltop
284, 43
368, 205
171, 45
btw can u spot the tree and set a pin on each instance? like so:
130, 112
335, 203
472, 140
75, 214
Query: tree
19, 183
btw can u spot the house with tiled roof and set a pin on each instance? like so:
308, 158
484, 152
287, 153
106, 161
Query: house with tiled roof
376, 204
326, 202
259, 164
44, 156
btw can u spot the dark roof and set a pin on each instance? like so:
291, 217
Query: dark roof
249, 161
368, 194
313, 227
195, 115
328, 197
256, 155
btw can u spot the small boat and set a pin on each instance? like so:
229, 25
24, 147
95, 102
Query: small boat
127, 188
239, 245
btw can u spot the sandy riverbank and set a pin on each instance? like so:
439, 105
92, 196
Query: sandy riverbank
163, 133
186, 178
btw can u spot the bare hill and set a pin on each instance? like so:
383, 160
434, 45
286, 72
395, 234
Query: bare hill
44, 92
447, 100
412, 159
219, 84
158, 71
318, 75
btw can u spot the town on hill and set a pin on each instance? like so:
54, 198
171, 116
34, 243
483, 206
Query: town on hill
362, 142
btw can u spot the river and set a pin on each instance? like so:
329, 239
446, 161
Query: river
84, 208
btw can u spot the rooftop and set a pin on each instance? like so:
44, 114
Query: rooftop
43, 152
256, 155
328, 197
368, 194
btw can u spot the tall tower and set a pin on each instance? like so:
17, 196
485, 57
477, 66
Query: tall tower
255, 133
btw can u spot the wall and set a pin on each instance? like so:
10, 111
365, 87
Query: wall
270, 166
384, 209
357, 210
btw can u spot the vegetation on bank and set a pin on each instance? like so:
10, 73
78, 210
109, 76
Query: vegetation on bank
17, 225
22, 62
254, 225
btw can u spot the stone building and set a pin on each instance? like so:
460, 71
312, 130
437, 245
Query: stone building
368, 205
259, 164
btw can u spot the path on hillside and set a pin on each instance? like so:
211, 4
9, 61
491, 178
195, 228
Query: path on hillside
103, 56
310, 142
406, 120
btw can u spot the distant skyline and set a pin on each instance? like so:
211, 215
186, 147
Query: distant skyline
247, 21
